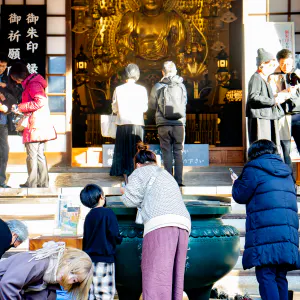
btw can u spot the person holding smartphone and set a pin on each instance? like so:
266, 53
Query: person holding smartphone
267, 188
232, 175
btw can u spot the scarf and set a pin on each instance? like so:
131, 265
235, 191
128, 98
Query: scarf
54, 251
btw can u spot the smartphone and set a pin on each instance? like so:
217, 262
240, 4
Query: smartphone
231, 171
232, 174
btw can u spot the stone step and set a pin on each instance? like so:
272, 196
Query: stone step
193, 176
22, 168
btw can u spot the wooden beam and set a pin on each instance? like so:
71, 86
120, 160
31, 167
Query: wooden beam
50, 217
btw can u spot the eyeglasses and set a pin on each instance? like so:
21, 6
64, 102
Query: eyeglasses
17, 239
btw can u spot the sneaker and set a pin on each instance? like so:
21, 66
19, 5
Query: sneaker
181, 185
3, 185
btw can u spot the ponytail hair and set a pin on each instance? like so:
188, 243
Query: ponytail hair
144, 155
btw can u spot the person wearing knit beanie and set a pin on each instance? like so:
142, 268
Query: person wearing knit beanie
263, 56
262, 110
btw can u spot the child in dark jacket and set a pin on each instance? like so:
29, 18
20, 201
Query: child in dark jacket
100, 238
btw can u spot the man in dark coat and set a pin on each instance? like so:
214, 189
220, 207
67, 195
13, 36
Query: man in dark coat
6, 125
12, 234
262, 110
171, 130
267, 187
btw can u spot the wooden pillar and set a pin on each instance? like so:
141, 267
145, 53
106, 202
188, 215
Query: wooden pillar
298, 173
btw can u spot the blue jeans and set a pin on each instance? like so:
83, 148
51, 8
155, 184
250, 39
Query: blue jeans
272, 281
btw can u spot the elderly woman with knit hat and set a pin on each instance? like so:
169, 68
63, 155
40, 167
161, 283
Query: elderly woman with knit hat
262, 110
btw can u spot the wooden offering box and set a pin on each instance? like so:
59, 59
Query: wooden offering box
71, 241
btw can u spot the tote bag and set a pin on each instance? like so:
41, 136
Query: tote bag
21, 122
108, 126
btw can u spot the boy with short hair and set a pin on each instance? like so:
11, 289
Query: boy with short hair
100, 238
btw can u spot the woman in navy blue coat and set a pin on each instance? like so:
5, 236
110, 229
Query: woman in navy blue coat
267, 187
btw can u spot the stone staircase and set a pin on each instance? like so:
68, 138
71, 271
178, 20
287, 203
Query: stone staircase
38, 207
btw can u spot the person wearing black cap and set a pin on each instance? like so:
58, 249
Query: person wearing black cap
262, 110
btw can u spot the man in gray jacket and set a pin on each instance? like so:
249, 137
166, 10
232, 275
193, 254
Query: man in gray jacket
169, 98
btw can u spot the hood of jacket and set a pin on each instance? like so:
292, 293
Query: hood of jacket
271, 164
34, 78
174, 79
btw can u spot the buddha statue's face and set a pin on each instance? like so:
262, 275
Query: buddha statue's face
152, 5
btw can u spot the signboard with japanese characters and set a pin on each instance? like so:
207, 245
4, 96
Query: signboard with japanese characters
23, 32
193, 154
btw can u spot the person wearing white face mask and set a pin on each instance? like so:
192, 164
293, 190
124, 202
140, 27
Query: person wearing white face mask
262, 110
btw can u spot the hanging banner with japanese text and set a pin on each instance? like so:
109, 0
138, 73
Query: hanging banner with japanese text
23, 32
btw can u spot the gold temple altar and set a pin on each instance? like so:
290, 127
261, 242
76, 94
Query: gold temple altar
107, 35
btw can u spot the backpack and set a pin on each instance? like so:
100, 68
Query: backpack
172, 101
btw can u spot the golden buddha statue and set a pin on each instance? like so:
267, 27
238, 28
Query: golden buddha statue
151, 34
